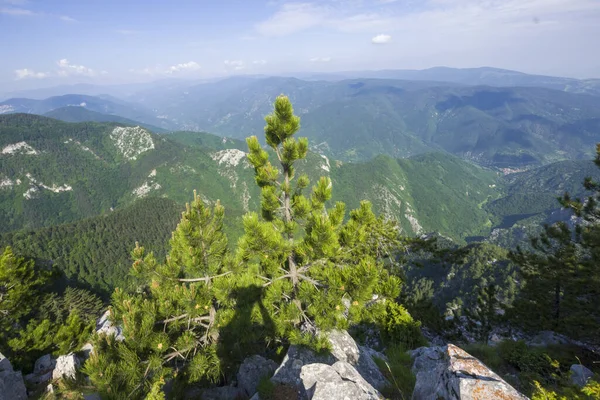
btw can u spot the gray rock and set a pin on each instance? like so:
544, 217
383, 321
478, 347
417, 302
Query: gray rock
338, 382
104, 326
449, 372
66, 367
12, 386
92, 396
44, 364
344, 348
580, 375
252, 370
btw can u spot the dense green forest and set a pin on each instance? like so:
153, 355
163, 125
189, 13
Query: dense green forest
95, 252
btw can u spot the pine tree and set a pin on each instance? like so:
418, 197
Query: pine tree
318, 273
563, 272
483, 316
171, 324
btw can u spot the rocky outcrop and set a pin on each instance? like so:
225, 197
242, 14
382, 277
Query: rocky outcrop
12, 386
105, 326
350, 360
66, 367
252, 370
580, 375
450, 373
339, 381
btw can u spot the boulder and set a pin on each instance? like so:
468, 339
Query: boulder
580, 375
337, 382
66, 367
105, 326
343, 348
252, 370
12, 386
449, 372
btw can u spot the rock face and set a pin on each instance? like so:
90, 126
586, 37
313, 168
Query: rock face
353, 360
104, 326
66, 367
12, 386
252, 370
449, 372
580, 375
337, 382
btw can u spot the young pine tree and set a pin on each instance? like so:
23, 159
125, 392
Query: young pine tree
171, 324
318, 273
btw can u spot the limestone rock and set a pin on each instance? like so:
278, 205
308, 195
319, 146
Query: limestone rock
12, 386
66, 367
344, 348
580, 375
252, 370
104, 326
338, 382
449, 372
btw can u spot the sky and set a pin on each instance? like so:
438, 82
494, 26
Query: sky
50, 42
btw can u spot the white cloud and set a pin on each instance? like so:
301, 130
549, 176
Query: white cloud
381, 39
16, 11
320, 59
29, 73
66, 18
188, 66
68, 69
259, 62
235, 64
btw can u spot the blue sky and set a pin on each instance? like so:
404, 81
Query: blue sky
48, 42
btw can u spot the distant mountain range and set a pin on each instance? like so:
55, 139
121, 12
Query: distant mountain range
519, 121
52, 172
100, 104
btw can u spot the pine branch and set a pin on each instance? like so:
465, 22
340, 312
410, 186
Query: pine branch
205, 279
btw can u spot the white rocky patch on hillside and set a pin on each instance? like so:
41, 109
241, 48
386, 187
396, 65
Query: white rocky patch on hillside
414, 222
229, 157
8, 183
6, 108
132, 141
326, 167
147, 186
246, 197
82, 147
20, 147
228, 160
36, 185
389, 201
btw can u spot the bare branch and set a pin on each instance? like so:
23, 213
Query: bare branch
205, 279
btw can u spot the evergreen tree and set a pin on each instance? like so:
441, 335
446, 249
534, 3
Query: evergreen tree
298, 271
483, 316
171, 324
318, 273
563, 272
